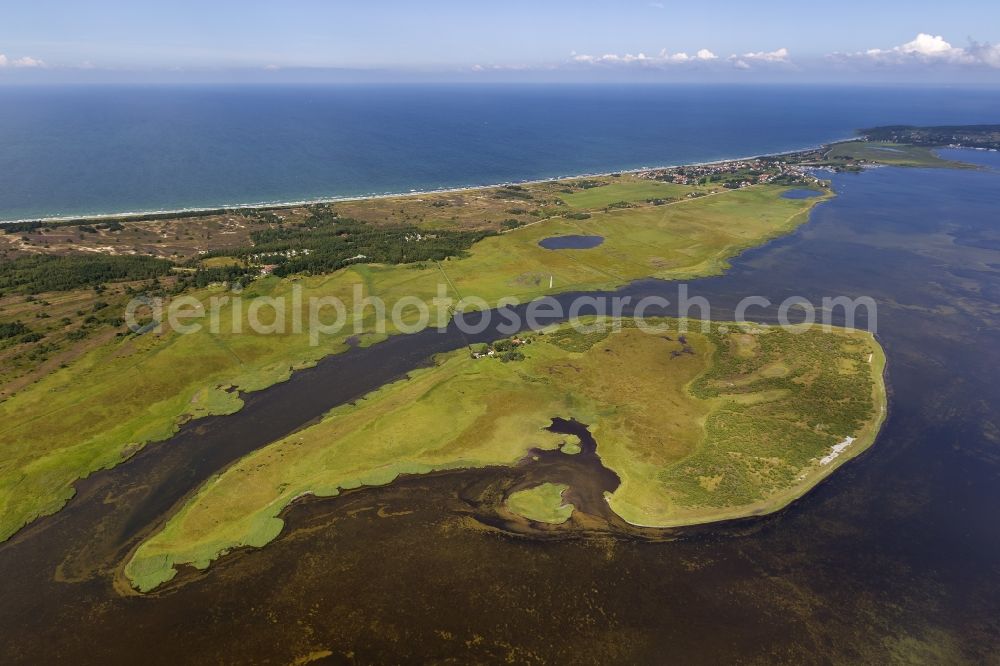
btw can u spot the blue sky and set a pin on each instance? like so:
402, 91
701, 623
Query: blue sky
181, 40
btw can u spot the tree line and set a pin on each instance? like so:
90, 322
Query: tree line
33, 274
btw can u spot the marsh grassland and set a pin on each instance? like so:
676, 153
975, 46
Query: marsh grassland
128, 391
543, 503
891, 154
699, 426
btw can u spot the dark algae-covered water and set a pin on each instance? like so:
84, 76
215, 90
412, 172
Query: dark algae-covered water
894, 558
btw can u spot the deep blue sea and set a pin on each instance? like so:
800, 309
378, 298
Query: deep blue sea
87, 150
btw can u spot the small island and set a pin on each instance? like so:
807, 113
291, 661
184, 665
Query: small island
692, 426
543, 503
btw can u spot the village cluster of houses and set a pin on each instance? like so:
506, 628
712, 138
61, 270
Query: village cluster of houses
756, 171
267, 269
287, 254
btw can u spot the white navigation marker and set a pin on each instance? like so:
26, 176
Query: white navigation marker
550, 281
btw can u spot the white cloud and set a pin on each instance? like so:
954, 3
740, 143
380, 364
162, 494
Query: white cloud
985, 53
747, 60
515, 67
778, 55
928, 45
663, 58
26, 61
657, 5
928, 49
